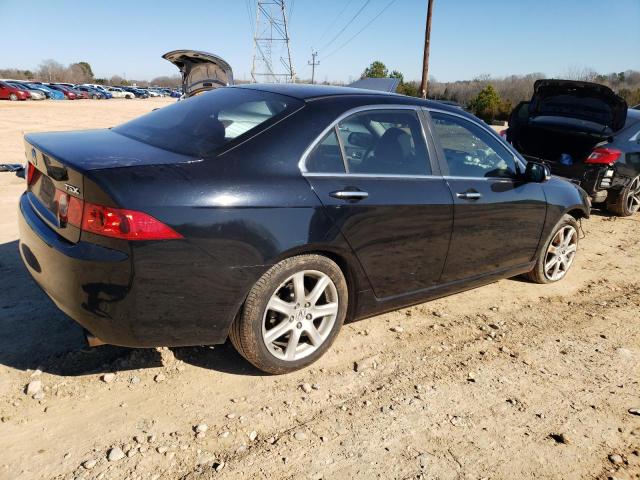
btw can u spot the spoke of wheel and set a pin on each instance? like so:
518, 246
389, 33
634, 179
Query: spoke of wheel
314, 336
318, 290
324, 310
298, 287
278, 305
571, 248
276, 332
553, 249
550, 264
569, 236
292, 345
556, 269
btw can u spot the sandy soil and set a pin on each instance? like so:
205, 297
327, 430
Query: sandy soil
511, 380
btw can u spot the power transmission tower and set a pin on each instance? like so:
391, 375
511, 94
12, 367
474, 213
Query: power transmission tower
313, 64
425, 61
271, 44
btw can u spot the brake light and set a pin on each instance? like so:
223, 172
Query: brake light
124, 224
31, 170
603, 156
69, 208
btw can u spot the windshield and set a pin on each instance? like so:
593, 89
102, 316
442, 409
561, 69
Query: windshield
200, 125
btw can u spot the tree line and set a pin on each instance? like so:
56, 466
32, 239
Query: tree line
52, 71
493, 99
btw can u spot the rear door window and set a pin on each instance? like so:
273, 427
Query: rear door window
384, 142
326, 157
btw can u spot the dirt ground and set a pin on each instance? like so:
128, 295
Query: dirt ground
511, 380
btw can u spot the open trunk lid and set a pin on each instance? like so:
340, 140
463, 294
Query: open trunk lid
574, 105
200, 71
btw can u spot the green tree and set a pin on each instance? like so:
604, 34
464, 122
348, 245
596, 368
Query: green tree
377, 69
87, 68
397, 74
487, 103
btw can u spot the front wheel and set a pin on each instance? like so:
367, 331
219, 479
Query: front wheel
13, 97
558, 253
627, 202
292, 314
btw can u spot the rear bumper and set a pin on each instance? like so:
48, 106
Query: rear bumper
87, 282
157, 294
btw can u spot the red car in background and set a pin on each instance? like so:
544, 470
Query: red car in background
9, 92
68, 93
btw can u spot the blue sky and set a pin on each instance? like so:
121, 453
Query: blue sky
469, 37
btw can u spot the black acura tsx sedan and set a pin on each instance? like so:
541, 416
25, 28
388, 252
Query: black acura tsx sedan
269, 214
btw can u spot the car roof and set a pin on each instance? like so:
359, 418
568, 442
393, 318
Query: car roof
307, 92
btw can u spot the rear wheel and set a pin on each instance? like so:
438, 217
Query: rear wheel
558, 254
627, 202
13, 97
292, 314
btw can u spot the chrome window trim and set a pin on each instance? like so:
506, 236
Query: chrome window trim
635, 137
369, 175
491, 131
334, 125
492, 179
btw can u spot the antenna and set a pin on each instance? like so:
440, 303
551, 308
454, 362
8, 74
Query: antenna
271, 42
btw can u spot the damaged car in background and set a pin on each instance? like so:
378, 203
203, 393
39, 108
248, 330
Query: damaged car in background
584, 132
200, 71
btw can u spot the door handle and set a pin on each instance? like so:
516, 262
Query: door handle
469, 195
349, 194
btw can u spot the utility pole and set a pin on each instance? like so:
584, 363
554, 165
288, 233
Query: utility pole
271, 43
425, 61
313, 64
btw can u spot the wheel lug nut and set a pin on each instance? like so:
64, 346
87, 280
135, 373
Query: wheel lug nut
308, 316
291, 318
307, 305
299, 325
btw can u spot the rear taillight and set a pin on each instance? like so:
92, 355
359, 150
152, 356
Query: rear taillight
124, 224
69, 208
31, 170
603, 156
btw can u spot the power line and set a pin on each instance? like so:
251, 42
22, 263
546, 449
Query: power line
333, 22
347, 25
361, 30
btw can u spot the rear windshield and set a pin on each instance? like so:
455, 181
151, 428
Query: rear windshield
200, 125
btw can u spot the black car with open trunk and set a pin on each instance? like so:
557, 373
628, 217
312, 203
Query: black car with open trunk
584, 132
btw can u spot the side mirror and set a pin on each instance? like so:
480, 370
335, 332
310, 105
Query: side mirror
537, 172
359, 139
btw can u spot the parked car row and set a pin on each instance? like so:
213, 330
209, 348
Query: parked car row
16, 90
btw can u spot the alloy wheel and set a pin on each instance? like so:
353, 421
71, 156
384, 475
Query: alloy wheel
560, 253
300, 315
633, 197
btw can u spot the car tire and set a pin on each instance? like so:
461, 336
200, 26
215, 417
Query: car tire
95, 97
627, 201
558, 254
295, 334
13, 97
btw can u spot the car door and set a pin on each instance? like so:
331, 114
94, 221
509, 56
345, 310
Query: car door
498, 217
4, 91
373, 173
